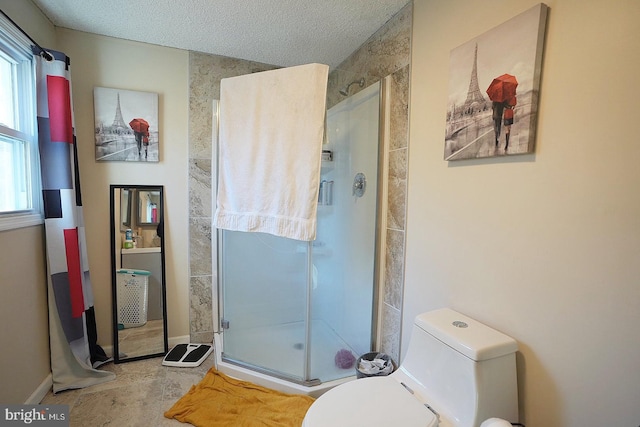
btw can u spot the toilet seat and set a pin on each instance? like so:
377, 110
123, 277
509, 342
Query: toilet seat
371, 402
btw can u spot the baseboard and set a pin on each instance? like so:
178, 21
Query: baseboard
183, 339
108, 349
40, 392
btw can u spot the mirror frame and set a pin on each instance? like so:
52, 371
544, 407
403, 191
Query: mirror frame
114, 254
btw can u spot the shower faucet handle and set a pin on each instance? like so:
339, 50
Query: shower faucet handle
359, 184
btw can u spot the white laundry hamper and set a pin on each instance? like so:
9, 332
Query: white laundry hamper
133, 298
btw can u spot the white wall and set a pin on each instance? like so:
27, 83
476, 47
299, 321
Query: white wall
31, 20
544, 247
115, 63
24, 359
107, 62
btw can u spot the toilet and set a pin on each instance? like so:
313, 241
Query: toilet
457, 372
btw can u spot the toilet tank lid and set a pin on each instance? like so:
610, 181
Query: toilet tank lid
469, 337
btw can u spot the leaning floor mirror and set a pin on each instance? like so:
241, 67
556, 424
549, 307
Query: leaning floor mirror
138, 272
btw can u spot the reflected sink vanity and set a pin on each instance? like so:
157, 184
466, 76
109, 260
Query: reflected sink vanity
151, 250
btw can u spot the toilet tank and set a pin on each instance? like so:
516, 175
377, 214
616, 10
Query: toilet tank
462, 368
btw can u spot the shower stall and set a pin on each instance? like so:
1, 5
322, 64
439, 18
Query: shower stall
292, 313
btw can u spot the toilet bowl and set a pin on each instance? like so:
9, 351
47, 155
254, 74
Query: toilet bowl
457, 372
373, 401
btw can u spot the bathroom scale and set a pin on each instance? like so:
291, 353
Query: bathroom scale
187, 355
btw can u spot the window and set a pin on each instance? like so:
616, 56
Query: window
19, 171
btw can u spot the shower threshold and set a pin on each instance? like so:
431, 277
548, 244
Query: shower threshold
279, 375
269, 372
272, 382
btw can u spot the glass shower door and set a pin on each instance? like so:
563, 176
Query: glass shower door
288, 307
344, 253
264, 282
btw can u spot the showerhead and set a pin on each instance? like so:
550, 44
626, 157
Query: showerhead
345, 90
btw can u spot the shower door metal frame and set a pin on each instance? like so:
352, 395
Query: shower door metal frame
381, 209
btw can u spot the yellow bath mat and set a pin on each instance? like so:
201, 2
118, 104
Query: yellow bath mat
219, 400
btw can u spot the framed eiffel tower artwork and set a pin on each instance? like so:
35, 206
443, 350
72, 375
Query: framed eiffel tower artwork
126, 125
494, 85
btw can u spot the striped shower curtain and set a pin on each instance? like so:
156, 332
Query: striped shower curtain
74, 350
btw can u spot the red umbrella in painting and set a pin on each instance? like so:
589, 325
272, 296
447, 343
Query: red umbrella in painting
503, 88
140, 125
141, 129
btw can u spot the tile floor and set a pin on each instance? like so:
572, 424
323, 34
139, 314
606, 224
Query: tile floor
142, 391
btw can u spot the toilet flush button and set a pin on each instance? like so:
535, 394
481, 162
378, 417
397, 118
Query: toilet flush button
460, 324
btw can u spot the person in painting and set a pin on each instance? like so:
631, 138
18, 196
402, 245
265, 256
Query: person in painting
508, 119
498, 108
138, 136
142, 138
145, 142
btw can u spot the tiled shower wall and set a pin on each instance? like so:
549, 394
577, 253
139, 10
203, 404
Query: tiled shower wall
387, 52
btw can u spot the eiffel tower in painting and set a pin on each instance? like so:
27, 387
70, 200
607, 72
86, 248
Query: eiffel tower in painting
118, 121
475, 99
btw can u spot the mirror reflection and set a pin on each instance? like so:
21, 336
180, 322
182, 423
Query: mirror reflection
138, 279
148, 207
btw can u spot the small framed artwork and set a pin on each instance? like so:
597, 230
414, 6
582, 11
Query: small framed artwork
494, 84
126, 125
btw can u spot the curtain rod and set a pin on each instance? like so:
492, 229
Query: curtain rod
46, 55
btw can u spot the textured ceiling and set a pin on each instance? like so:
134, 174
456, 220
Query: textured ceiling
277, 32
